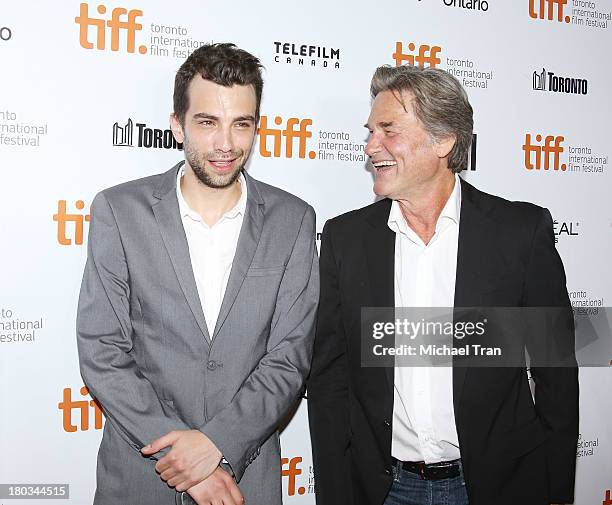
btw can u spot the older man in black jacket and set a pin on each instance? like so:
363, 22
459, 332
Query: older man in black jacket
421, 435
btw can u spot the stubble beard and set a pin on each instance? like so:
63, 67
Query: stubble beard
197, 162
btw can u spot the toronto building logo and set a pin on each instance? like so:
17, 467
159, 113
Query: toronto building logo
549, 81
123, 135
149, 138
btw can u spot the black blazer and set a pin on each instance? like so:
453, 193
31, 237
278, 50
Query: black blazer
513, 450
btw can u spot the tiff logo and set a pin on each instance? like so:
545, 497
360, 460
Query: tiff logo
289, 133
428, 55
68, 405
547, 8
117, 25
290, 469
552, 146
62, 218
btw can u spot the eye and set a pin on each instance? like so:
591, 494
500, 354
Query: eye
205, 122
243, 124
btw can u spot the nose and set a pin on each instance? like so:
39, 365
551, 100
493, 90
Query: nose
224, 140
373, 144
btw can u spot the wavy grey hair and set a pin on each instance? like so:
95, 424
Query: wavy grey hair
440, 104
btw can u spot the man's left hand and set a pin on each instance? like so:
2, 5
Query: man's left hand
192, 459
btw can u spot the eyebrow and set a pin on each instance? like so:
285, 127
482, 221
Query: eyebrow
382, 124
205, 115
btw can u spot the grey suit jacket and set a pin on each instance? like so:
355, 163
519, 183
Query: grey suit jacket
147, 356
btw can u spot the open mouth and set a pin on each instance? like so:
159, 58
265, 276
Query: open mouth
383, 166
223, 165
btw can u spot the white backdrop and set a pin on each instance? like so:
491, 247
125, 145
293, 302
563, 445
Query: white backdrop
65, 83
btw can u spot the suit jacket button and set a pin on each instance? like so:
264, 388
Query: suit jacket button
387, 423
387, 471
211, 365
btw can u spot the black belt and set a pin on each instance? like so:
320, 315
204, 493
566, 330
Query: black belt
433, 471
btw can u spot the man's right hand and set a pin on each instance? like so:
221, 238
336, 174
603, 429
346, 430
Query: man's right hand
218, 488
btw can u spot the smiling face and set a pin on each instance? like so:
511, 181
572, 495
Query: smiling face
402, 153
218, 130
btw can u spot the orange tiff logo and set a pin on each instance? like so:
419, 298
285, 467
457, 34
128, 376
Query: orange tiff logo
535, 152
85, 407
290, 133
545, 9
117, 24
62, 218
290, 468
427, 56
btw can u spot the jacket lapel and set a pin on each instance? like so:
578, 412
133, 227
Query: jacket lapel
248, 239
379, 246
473, 239
166, 211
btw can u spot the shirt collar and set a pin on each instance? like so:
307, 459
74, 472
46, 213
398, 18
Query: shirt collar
452, 208
450, 212
186, 210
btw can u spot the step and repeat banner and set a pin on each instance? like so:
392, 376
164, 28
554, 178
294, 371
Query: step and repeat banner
85, 96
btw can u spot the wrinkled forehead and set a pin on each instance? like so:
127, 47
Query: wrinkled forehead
391, 106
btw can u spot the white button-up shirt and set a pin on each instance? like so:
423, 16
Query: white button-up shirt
423, 415
212, 250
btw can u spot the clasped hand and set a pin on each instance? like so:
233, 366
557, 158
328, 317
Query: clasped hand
192, 459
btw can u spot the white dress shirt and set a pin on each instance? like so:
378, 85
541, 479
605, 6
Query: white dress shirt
423, 415
212, 250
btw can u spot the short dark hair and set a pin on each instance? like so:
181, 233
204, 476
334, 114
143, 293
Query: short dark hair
224, 64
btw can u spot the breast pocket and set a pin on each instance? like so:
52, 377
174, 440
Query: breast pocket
258, 296
265, 271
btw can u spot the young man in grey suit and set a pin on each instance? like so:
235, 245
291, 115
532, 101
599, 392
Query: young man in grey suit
196, 312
